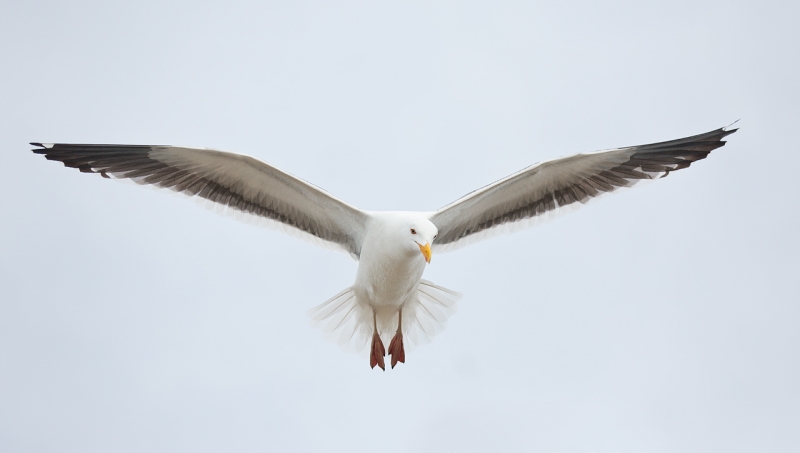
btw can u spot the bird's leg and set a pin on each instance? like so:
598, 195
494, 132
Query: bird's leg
376, 350
396, 346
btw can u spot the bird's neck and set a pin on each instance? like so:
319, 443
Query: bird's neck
387, 273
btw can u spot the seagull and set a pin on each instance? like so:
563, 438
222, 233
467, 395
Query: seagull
389, 300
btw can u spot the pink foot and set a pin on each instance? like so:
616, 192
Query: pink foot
396, 349
377, 352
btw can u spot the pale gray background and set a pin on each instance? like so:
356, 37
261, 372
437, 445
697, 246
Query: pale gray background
662, 319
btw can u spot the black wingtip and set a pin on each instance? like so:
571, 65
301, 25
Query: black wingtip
42, 149
727, 129
717, 135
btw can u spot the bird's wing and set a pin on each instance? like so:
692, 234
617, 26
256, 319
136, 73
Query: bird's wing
520, 199
233, 181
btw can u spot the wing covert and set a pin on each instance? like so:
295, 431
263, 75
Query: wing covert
570, 181
235, 181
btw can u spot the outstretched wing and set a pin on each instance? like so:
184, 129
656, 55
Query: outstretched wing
234, 181
570, 181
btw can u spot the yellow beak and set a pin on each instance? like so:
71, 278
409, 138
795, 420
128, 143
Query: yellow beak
426, 251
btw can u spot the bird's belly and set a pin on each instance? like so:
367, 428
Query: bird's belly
388, 283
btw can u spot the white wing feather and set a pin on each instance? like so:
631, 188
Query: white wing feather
232, 181
545, 189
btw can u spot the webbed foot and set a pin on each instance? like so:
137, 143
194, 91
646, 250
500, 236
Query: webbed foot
377, 352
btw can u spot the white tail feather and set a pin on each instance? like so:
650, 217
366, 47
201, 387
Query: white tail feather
348, 322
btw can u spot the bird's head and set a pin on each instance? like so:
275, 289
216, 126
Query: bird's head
421, 233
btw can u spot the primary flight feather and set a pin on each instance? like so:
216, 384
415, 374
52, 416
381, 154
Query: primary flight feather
389, 299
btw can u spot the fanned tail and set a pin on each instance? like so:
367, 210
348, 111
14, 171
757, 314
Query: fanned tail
427, 315
341, 320
345, 321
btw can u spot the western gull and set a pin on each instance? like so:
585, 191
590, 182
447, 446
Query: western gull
389, 300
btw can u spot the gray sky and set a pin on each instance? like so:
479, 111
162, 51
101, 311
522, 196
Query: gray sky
661, 319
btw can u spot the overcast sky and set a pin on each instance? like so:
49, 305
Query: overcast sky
661, 319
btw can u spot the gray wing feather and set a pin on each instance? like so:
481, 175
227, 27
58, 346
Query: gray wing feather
571, 181
235, 181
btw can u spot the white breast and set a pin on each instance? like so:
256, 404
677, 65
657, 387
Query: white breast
389, 271
389, 279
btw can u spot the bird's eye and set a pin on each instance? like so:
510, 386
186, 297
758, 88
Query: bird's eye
413, 231
435, 236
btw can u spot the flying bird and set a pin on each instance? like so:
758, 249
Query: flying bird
389, 301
